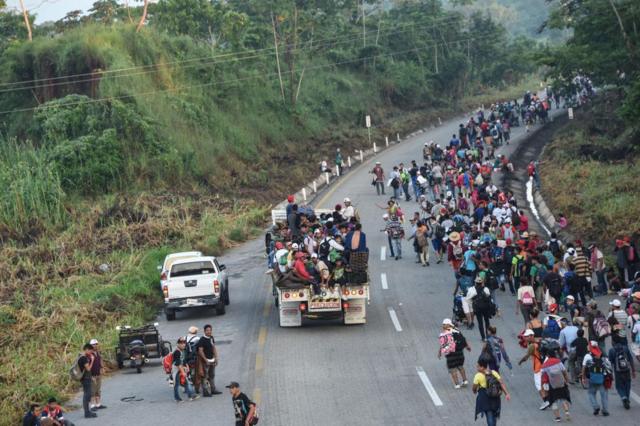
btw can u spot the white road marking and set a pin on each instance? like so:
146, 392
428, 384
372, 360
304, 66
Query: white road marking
394, 319
383, 253
429, 387
383, 279
635, 397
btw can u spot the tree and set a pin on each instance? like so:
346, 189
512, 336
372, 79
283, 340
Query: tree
144, 15
25, 14
104, 11
71, 20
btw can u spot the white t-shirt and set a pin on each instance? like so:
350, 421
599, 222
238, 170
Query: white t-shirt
279, 254
528, 288
472, 292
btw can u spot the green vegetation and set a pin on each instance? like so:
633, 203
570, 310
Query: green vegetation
118, 145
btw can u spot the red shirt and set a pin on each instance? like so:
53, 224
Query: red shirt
301, 269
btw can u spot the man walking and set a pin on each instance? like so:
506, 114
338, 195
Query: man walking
595, 368
244, 408
85, 362
378, 180
395, 233
207, 362
623, 370
96, 377
181, 372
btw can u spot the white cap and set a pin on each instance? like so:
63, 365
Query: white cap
193, 329
447, 321
346, 200
314, 255
93, 342
317, 231
528, 332
616, 303
385, 216
295, 246
571, 297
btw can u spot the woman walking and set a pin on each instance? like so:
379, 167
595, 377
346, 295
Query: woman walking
488, 387
452, 345
496, 345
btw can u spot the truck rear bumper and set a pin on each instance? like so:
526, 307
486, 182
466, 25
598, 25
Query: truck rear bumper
191, 302
356, 313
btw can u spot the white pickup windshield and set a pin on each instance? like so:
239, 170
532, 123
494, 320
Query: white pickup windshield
192, 268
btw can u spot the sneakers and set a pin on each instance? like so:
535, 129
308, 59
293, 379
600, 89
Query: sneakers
465, 383
101, 407
178, 401
194, 397
90, 415
216, 392
544, 405
558, 419
605, 413
567, 416
596, 411
457, 386
626, 404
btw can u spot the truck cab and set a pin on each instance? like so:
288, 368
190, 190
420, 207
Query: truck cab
195, 282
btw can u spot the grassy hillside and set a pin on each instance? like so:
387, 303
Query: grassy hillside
590, 172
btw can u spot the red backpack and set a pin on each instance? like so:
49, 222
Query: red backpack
167, 363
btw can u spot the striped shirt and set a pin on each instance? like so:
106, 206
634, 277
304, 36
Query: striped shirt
582, 265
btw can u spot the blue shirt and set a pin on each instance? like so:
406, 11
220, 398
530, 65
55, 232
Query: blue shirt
567, 336
469, 264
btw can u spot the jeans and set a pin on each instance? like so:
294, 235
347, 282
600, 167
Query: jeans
604, 396
623, 385
391, 246
602, 282
209, 376
493, 297
483, 323
405, 189
397, 193
396, 247
86, 395
491, 418
380, 187
176, 386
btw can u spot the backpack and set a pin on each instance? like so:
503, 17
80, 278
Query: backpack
283, 260
324, 249
515, 219
552, 330
395, 183
447, 344
621, 361
457, 251
167, 363
481, 301
439, 231
555, 285
494, 389
460, 341
596, 371
492, 281
191, 350
601, 326
556, 378
554, 247
75, 372
520, 266
527, 298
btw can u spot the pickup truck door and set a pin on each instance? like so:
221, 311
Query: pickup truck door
222, 273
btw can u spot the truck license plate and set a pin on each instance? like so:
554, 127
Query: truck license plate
192, 301
324, 305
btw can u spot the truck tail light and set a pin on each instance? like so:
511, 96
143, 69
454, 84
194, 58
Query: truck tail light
216, 286
163, 276
165, 291
361, 292
287, 295
301, 294
303, 307
345, 291
345, 305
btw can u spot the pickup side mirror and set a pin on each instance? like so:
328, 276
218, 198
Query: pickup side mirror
159, 268
222, 267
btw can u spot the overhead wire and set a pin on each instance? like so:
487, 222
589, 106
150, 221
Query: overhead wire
486, 36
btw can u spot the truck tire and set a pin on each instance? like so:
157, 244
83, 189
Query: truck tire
170, 315
220, 308
119, 360
276, 301
226, 294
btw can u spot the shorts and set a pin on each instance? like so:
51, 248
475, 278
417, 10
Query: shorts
456, 369
537, 380
96, 386
467, 308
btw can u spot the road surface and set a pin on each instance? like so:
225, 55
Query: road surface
383, 373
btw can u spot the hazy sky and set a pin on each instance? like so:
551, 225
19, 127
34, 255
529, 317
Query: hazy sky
52, 10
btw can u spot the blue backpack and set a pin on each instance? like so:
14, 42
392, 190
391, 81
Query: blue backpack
552, 330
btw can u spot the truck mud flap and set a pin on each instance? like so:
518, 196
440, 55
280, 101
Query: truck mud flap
289, 315
356, 313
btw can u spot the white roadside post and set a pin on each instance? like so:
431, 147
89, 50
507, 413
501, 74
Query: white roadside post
337, 171
386, 141
326, 175
315, 187
361, 157
367, 123
375, 148
570, 110
439, 121
304, 194
398, 137
349, 161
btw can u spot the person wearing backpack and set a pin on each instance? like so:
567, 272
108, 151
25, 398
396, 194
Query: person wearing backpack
85, 363
533, 352
452, 346
479, 297
525, 300
555, 384
488, 387
243, 407
181, 372
595, 369
597, 325
623, 371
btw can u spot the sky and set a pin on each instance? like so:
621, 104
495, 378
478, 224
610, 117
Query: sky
51, 10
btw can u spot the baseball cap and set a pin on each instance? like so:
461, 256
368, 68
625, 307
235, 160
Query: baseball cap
193, 329
290, 198
295, 246
528, 332
232, 385
346, 200
594, 348
447, 321
616, 303
385, 216
314, 255
93, 342
571, 297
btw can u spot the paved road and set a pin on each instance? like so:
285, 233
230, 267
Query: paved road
383, 373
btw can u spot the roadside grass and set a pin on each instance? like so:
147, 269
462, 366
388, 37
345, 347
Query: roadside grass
599, 197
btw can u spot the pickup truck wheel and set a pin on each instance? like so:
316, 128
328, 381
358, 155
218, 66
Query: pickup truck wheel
276, 301
220, 308
170, 315
119, 360
226, 294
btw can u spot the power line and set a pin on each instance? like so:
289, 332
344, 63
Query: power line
490, 36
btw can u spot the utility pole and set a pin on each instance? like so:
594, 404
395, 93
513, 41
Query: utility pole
364, 28
435, 47
275, 42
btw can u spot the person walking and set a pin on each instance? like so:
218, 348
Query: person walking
243, 407
96, 377
207, 362
339, 162
496, 344
452, 346
85, 362
623, 371
595, 369
555, 385
533, 352
378, 180
181, 372
488, 387
480, 298
395, 233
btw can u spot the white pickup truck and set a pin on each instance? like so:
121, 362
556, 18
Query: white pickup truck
195, 282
